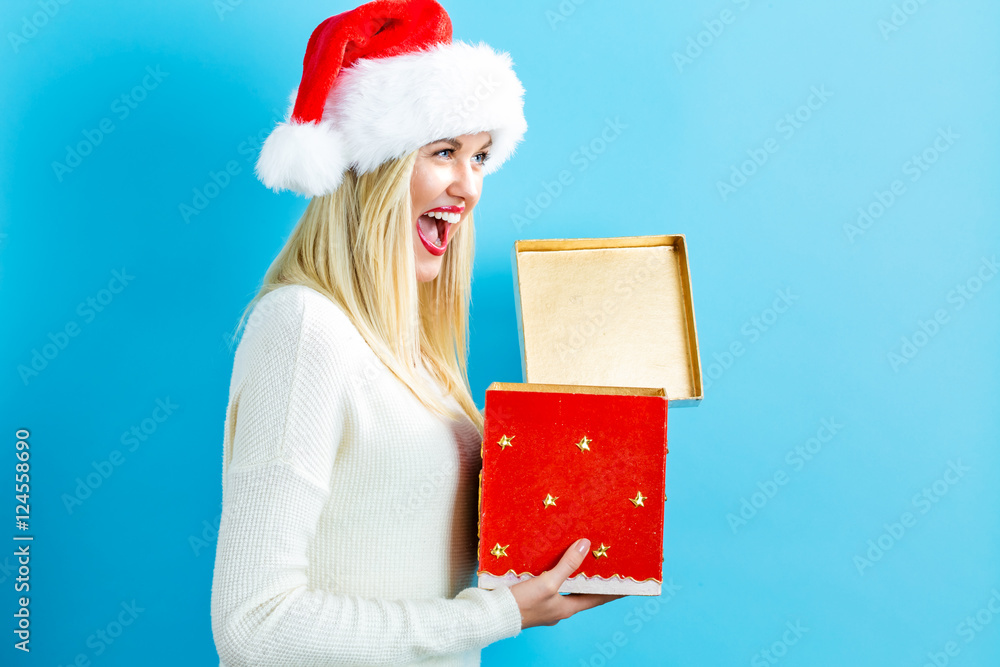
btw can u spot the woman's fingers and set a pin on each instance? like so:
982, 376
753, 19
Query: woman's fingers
582, 601
568, 564
539, 599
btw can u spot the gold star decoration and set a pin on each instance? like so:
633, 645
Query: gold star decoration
549, 500
505, 441
499, 550
602, 551
637, 501
584, 447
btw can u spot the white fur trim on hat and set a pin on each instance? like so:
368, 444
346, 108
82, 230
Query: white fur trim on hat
304, 157
384, 108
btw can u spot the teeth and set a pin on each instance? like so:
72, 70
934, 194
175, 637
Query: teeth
447, 217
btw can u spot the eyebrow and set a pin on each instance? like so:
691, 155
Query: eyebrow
458, 144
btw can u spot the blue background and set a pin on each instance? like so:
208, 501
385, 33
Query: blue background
838, 352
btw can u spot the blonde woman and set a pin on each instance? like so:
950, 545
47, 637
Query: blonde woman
352, 442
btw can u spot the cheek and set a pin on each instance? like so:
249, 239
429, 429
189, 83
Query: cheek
426, 186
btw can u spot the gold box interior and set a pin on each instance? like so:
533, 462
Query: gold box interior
608, 312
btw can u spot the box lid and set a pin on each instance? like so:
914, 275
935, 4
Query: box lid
608, 312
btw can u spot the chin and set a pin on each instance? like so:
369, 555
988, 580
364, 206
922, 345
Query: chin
427, 274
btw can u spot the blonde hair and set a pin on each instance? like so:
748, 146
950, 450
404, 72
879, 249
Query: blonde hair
355, 246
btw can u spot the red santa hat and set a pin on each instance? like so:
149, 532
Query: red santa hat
381, 81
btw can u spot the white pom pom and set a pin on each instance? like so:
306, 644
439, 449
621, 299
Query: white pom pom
307, 158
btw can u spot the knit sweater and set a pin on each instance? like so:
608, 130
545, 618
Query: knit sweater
349, 510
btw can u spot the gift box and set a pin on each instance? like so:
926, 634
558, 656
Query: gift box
608, 344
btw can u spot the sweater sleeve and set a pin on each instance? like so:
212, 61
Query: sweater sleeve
287, 416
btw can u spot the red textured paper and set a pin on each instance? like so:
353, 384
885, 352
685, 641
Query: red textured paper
628, 447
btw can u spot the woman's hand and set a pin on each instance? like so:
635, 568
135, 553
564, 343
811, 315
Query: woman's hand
539, 599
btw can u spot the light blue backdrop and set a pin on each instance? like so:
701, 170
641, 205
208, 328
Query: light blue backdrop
833, 501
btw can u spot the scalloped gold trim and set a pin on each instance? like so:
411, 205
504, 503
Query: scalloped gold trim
596, 576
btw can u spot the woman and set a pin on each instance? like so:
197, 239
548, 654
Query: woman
352, 443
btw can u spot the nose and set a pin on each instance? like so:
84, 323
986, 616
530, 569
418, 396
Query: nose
465, 184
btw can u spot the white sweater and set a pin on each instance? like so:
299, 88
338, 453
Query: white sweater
349, 510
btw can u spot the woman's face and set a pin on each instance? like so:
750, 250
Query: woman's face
447, 181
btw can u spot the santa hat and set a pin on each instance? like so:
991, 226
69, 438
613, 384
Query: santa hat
381, 81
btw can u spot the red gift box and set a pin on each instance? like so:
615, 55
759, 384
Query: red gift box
607, 334
561, 462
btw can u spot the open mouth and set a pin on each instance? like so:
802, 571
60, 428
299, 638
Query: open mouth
433, 231
434, 227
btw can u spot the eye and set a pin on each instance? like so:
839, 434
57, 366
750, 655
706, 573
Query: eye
485, 156
444, 150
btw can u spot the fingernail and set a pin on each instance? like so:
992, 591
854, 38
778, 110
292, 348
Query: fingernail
583, 545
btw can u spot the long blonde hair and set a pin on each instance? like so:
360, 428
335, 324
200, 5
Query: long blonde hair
354, 245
